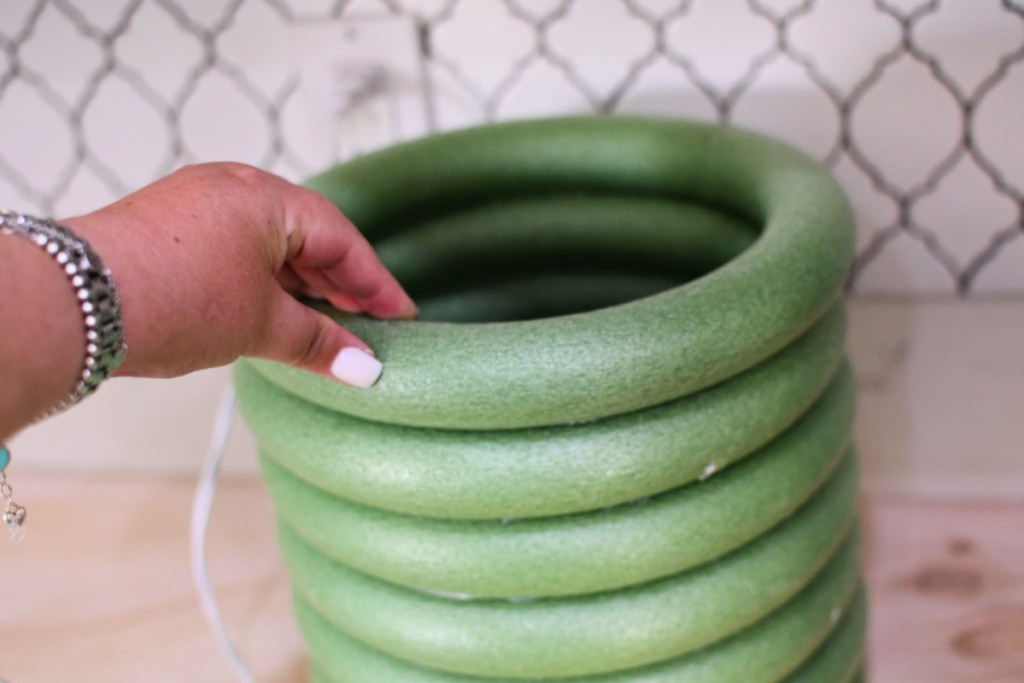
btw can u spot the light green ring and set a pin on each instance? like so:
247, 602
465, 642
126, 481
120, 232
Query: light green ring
754, 657
542, 471
614, 360
570, 554
572, 636
763, 653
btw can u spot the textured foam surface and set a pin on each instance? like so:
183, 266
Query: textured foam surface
604, 362
829, 610
570, 554
625, 458
545, 471
572, 636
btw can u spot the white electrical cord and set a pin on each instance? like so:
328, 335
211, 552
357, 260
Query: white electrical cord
202, 504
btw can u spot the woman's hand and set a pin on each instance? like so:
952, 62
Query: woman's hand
205, 258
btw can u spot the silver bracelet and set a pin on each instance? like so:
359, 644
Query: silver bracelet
96, 295
100, 305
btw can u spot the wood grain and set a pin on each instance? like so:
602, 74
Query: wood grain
99, 590
947, 591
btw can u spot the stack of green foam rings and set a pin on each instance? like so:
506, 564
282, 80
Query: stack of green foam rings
615, 447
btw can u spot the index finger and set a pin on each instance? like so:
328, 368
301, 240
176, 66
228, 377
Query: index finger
325, 247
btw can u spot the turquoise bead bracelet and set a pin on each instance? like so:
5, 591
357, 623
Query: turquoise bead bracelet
14, 514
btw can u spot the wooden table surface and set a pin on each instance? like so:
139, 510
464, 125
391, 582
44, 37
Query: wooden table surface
99, 589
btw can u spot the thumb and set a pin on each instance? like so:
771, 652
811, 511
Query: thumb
299, 336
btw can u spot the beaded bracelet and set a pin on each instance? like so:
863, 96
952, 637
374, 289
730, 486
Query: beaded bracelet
100, 305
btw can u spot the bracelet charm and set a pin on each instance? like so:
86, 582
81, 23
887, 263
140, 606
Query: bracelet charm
13, 514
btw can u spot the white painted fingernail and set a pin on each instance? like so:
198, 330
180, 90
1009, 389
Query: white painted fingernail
356, 367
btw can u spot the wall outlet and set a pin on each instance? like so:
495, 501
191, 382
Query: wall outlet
361, 84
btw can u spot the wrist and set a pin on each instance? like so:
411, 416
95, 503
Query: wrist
137, 253
94, 296
42, 344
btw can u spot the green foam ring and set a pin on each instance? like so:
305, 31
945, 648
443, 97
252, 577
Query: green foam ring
558, 234
542, 471
841, 658
569, 555
574, 636
818, 637
838, 660
719, 330
613, 360
697, 237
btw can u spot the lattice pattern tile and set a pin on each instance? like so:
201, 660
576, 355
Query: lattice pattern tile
914, 104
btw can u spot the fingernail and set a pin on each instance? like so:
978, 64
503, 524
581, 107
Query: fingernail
356, 367
410, 312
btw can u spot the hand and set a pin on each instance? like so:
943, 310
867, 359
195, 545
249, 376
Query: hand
204, 260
